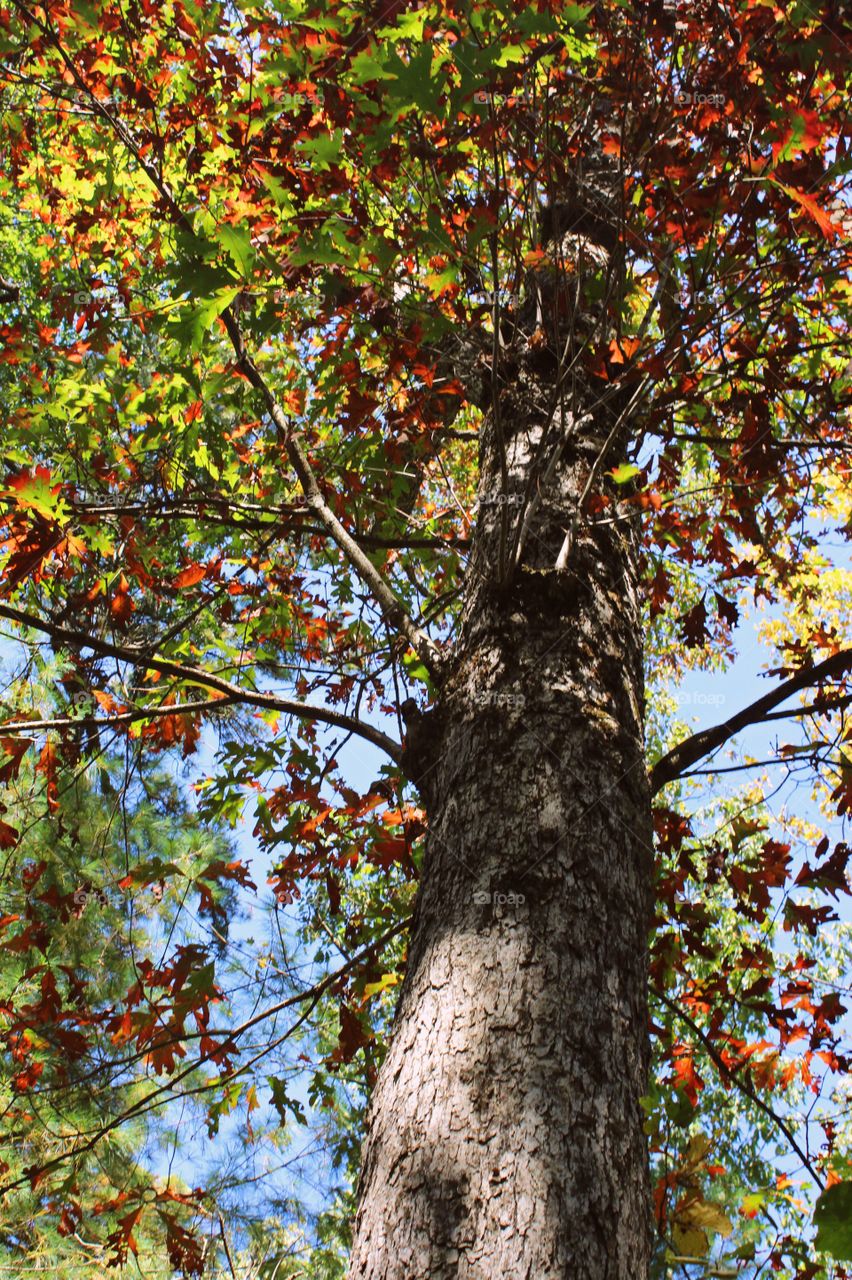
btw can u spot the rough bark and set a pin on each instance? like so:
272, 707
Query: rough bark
505, 1131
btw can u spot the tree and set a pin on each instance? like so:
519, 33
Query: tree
429, 376
72, 953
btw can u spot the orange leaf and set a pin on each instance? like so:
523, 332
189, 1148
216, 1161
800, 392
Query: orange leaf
121, 606
384, 853
13, 749
47, 766
190, 575
25, 1079
828, 228
686, 1077
621, 349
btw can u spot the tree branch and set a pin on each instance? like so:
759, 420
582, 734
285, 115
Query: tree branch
732, 1077
677, 762
119, 717
383, 594
253, 520
147, 661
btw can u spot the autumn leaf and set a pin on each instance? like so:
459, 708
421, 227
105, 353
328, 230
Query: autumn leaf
694, 626
623, 349
121, 605
189, 576
814, 210
625, 473
805, 133
727, 610
388, 850
352, 1036
685, 1075
13, 751
47, 765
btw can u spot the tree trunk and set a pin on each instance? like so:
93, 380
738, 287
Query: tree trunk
504, 1137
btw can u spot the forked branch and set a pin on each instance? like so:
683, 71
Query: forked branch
145, 660
678, 761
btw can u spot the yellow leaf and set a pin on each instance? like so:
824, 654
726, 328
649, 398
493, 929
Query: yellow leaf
751, 1205
689, 1241
697, 1148
706, 1216
387, 980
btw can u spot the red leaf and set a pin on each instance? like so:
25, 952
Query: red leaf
694, 631
67, 1223
194, 411
727, 610
805, 134
828, 228
661, 590
13, 749
9, 836
25, 1079
190, 575
352, 1036
47, 766
121, 606
332, 884
385, 852
32, 873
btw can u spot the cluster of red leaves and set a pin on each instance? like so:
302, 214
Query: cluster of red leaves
782, 994
327, 838
157, 1006
184, 1247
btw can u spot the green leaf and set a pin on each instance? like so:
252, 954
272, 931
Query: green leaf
282, 1103
415, 85
324, 150
510, 53
575, 14
40, 493
833, 1221
415, 670
408, 26
366, 67
624, 473
236, 242
192, 323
